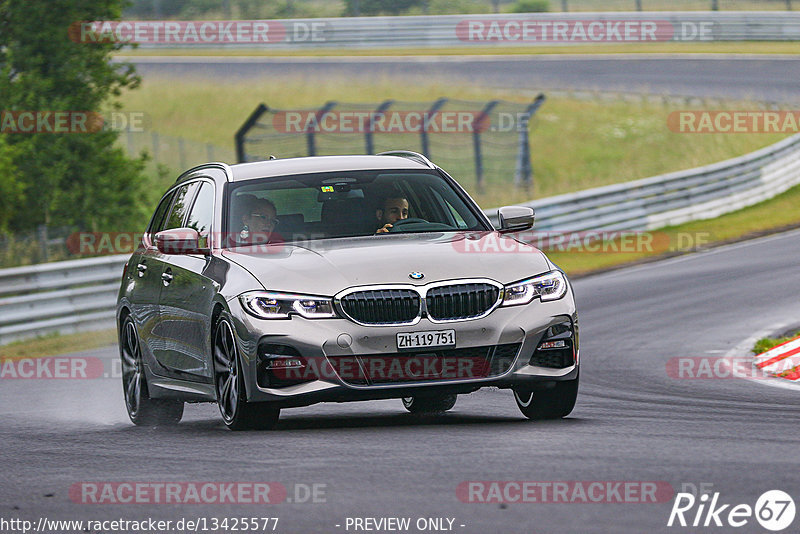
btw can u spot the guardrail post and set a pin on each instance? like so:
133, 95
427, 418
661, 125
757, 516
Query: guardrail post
524, 172
369, 134
434, 109
564, 6
478, 123
209, 152
319, 115
42, 237
638, 5
240, 134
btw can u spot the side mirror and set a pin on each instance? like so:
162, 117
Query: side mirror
515, 218
180, 241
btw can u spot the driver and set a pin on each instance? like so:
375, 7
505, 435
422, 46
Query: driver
258, 219
391, 210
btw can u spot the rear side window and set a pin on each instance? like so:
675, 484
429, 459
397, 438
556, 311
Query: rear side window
179, 207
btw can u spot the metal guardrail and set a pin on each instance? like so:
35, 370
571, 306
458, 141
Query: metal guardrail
678, 197
510, 29
80, 294
65, 297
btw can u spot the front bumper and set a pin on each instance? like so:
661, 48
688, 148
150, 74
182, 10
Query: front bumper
332, 341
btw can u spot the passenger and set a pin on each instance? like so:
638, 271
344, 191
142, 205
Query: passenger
392, 209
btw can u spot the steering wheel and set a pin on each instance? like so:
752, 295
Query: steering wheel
406, 222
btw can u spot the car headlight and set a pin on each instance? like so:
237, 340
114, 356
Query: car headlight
550, 286
267, 305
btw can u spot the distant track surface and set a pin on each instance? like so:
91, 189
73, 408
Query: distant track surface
772, 78
633, 422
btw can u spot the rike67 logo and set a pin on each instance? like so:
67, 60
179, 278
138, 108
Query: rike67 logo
774, 510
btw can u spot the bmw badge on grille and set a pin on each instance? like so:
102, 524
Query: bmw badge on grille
416, 275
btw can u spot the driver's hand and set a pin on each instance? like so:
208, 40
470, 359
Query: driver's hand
384, 230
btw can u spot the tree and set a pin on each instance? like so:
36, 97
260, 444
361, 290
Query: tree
10, 185
70, 179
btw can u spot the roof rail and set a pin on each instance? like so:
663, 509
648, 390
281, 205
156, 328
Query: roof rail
415, 156
185, 175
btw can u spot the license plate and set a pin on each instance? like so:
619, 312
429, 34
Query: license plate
431, 338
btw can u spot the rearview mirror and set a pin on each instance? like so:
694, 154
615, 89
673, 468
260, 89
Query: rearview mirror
515, 218
180, 241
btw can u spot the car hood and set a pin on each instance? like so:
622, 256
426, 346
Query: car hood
325, 267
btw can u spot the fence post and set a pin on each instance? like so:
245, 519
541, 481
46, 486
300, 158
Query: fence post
369, 134
788, 5
477, 125
319, 116
564, 6
714, 5
209, 152
238, 137
434, 109
638, 5
524, 172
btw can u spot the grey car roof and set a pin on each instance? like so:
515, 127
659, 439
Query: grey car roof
289, 166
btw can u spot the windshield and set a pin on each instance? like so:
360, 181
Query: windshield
346, 204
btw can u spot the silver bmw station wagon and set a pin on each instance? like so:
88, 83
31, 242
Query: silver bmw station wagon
284, 283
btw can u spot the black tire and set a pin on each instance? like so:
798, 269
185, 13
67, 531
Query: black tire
553, 403
429, 403
236, 411
142, 410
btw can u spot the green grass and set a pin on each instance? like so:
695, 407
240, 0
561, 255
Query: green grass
575, 144
766, 343
54, 344
749, 47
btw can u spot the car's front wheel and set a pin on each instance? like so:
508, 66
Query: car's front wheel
429, 403
552, 403
237, 412
142, 410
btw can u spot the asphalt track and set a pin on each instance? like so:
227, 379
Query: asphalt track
763, 78
633, 422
